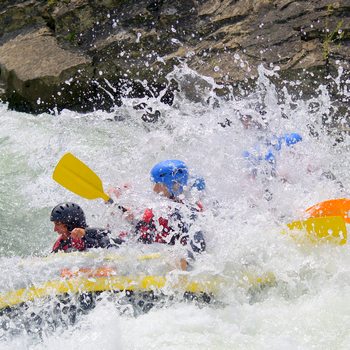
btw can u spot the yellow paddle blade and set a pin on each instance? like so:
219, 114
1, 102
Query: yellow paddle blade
330, 229
77, 177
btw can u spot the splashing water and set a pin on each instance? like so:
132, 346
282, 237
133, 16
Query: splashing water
306, 308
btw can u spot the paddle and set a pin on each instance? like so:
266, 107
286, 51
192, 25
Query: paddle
331, 207
329, 229
77, 177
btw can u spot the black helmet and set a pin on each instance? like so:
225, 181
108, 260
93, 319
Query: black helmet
69, 214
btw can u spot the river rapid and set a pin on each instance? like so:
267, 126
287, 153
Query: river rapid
307, 308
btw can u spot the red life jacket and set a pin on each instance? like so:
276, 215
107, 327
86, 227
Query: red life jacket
65, 244
148, 230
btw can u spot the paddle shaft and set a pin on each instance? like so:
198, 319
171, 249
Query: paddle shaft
111, 201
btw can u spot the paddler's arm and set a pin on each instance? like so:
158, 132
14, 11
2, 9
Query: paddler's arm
93, 237
116, 192
127, 213
120, 207
186, 264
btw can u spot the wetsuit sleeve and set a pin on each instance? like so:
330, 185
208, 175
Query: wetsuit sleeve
117, 241
97, 238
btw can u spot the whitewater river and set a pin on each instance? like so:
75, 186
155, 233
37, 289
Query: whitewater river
307, 308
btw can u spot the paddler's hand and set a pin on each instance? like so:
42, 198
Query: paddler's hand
183, 264
116, 192
128, 215
77, 233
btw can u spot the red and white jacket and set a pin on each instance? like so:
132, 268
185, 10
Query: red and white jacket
172, 228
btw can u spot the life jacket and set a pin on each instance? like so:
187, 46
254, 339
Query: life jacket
147, 229
149, 232
67, 244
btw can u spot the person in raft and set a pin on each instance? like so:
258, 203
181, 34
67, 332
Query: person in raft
74, 234
266, 153
173, 223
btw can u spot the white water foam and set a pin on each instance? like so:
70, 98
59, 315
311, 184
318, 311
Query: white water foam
307, 308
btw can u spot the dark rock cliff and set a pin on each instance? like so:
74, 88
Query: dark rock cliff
85, 54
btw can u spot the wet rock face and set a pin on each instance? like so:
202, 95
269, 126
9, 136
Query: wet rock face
38, 72
86, 54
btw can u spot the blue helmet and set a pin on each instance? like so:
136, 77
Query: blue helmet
292, 138
169, 173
